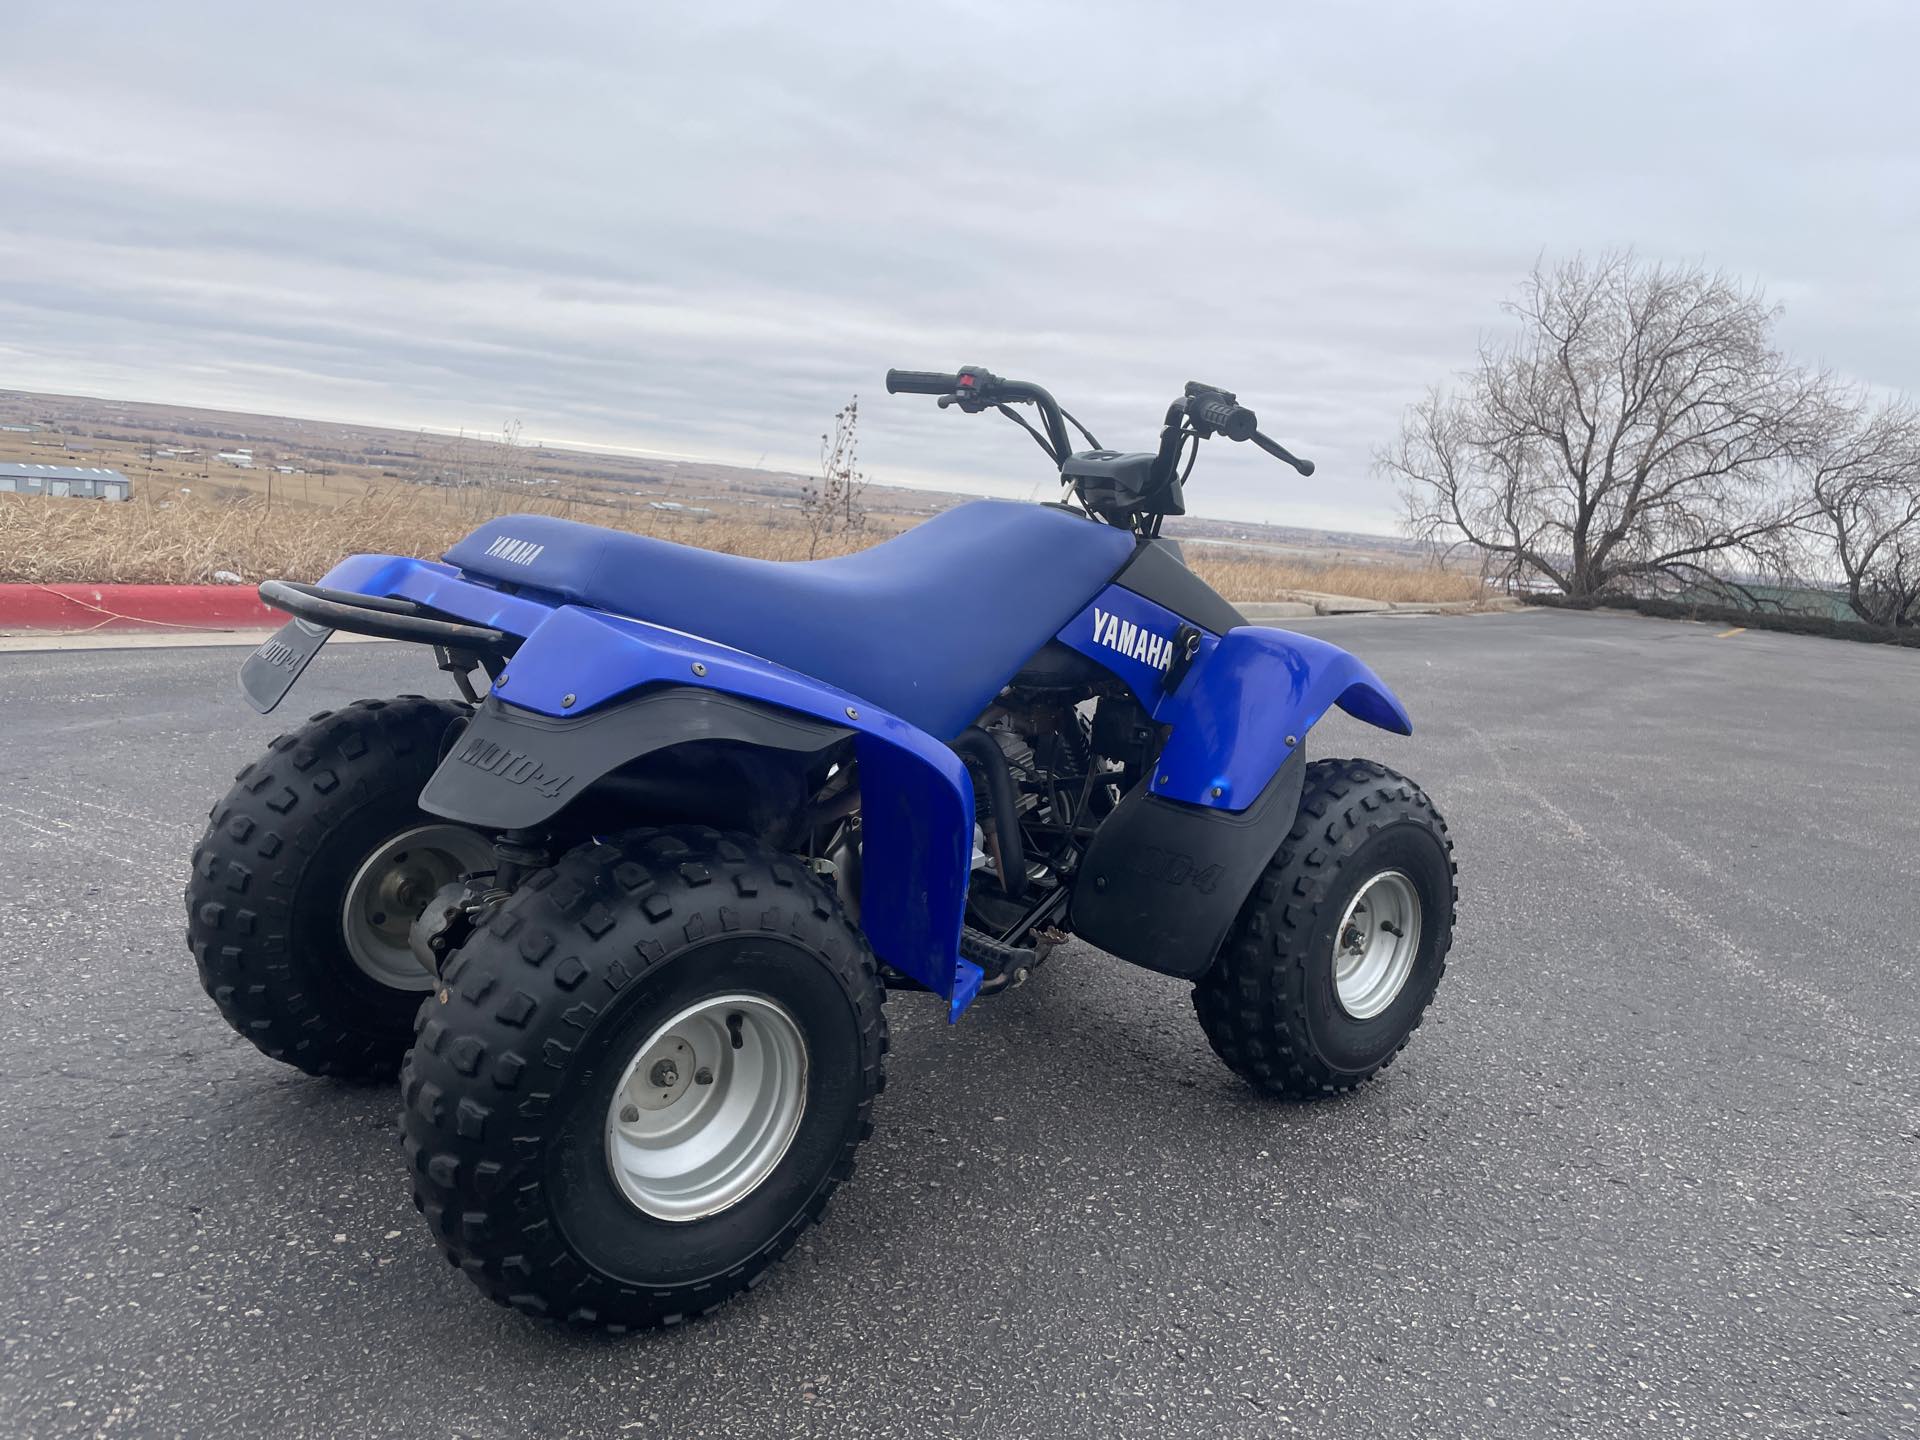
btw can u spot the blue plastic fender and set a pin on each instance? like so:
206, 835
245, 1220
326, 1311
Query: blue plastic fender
916, 799
916, 796
1245, 703
1239, 715
442, 587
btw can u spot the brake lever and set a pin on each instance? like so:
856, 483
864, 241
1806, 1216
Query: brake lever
970, 402
1280, 452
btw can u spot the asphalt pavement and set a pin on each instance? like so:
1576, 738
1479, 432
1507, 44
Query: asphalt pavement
1652, 1166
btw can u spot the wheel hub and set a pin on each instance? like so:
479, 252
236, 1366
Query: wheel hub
1375, 944
707, 1107
392, 887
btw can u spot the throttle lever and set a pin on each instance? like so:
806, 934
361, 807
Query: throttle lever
1280, 452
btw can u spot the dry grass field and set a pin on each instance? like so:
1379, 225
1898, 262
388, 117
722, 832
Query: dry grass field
311, 492
188, 540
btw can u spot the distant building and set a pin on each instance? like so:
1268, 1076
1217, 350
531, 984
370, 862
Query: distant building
63, 481
241, 459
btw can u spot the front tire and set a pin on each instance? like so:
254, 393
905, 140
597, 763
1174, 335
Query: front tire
643, 1079
312, 869
1335, 956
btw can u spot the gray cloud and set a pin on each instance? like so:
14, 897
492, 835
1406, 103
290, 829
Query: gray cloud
699, 230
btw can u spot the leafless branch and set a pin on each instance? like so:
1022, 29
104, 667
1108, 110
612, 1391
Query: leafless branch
1639, 425
832, 504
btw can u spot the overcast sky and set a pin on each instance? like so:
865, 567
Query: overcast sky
699, 229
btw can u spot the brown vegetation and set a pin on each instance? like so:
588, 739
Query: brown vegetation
1249, 575
189, 540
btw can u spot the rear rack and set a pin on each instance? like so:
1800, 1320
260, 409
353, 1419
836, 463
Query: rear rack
388, 619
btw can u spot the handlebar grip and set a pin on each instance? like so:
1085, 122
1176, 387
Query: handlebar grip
921, 382
1236, 422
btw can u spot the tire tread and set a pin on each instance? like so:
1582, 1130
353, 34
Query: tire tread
1252, 1002
613, 913
246, 868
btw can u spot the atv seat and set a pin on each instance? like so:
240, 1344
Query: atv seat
930, 624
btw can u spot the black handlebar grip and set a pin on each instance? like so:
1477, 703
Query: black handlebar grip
1236, 422
921, 382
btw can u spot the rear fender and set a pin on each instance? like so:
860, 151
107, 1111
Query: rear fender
276, 667
587, 691
439, 587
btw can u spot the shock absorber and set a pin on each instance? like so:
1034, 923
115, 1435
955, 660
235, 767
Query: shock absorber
519, 853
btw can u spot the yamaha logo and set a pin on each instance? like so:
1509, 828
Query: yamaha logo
514, 552
1134, 641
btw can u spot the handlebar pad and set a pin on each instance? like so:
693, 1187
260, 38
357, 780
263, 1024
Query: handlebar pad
1236, 422
921, 382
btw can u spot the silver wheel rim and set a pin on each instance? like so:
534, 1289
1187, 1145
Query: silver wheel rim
707, 1107
392, 887
1374, 947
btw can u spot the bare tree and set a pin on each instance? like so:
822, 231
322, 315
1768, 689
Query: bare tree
1639, 427
832, 504
1865, 486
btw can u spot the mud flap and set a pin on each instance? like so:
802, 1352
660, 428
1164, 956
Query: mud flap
1163, 880
270, 672
514, 768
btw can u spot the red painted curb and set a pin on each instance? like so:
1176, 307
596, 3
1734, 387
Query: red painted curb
135, 607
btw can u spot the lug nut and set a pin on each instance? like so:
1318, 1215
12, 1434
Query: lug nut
703, 1076
629, 1114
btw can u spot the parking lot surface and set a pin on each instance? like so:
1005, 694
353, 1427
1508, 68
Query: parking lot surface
1652, 1165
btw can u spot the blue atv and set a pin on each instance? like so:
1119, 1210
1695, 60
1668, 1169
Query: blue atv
624, 923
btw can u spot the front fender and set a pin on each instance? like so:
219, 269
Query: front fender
564, 681
1247, 704
1169, 869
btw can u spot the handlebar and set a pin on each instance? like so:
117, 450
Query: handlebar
1209, 409
974, 388
1203, 411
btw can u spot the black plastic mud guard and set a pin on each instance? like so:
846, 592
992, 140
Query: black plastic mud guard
515, 769
1163, 880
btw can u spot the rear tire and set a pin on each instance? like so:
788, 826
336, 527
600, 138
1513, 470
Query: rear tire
293, 838
583, 1020
1307, 997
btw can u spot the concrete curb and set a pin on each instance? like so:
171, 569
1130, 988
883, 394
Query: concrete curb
40, 642
162, 608
1261, 611
1302, 603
